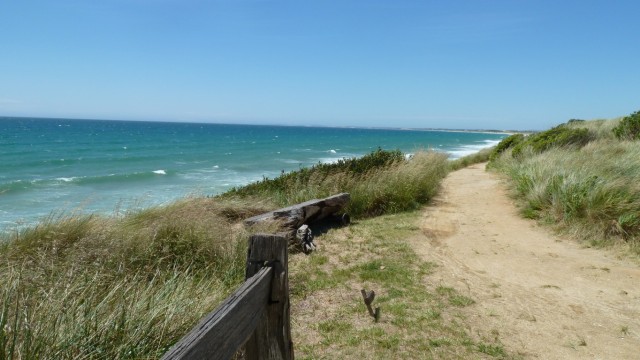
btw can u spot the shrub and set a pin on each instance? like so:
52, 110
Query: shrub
506, 143
559, 136
629, 127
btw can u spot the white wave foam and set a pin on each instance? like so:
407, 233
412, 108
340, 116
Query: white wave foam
331, 151
465, 150
216, 166
290, 161
329, 160
66, 179
160, 172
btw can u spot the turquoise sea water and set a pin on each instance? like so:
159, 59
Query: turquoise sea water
53, 165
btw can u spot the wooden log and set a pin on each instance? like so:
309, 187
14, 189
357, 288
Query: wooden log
272, 337
222, 332
295, 216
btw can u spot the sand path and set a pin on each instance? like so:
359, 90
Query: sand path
540, 295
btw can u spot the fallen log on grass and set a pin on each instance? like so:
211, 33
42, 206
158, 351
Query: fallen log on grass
294, 217
309, 211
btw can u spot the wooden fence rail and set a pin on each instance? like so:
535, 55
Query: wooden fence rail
256, 315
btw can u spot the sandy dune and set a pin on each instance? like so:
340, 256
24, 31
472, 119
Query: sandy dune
542, 296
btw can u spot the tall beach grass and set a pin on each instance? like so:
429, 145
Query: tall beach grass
104, 288
380, 182
591, 192
91, 287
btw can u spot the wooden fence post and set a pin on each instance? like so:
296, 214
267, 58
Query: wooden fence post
272, 337
219, 335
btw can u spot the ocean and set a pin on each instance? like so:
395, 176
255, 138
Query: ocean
50, 167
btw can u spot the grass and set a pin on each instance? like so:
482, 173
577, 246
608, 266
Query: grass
417, 321
479, 157
591, 192
624, 330
92, 287
384, 182
491, 349
129, 287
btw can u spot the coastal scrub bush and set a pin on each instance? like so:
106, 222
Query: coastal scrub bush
629, 127
506, 143
559, 136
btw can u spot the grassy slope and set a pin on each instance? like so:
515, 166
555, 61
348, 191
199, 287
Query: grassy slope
94, 287
591, 192
91, 287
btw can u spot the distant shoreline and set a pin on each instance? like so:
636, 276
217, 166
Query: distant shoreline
479, 131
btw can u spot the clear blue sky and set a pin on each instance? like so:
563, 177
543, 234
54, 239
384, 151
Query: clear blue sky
455, 64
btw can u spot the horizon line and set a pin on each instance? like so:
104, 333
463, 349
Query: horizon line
398, 128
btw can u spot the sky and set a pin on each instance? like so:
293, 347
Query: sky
476, 64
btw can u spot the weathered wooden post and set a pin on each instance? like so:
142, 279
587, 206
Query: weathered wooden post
256, 315
219, 335
272, 337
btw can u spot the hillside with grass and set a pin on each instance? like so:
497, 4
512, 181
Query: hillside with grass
581, 177
95, 287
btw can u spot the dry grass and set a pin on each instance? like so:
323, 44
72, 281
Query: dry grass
106, 288
417, 322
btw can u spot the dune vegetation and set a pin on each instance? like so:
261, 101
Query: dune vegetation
381, 182
86, 286
94, 287
582, 177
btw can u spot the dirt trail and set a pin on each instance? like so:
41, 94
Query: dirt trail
542, 296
